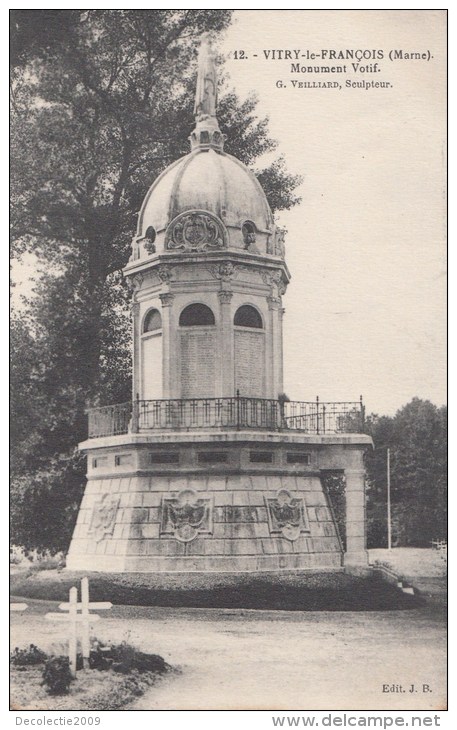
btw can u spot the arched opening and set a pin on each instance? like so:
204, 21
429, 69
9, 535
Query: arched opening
150, 234
150, 237
196, 315
151, 355
249, 352
247, 316
198, 351
152, 321
248, 231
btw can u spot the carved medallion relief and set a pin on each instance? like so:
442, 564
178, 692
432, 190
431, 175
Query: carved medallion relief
195, 231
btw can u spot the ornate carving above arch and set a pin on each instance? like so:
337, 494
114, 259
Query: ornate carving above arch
224, 271
135, 282
165, 273
276, 279
196, 230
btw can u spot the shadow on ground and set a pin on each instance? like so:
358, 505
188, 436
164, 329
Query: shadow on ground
298, 591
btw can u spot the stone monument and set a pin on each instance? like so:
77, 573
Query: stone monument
210, 467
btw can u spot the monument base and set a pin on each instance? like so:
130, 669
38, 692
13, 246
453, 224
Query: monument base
229, 501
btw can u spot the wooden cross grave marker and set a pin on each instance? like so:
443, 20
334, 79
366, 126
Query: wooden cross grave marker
74, 618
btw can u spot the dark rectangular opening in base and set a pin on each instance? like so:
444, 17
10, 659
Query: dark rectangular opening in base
212, 457
261, 457
298, 457
164, 457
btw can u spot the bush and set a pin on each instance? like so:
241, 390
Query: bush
28, 657
149, 662
124, 658
15, 556
57, 675
100, 657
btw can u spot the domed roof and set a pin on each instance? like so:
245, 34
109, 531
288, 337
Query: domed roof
206, 180
208, 199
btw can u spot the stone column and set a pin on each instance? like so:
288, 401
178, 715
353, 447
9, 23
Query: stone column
356, 554
281, 351
274, 349
168, 360
227, 374
136, 378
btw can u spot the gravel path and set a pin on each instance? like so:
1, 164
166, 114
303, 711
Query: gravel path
272, 660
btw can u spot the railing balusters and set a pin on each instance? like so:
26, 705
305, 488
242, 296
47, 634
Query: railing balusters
239, 412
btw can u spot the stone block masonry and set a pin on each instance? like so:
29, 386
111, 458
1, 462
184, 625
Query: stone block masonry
189, 517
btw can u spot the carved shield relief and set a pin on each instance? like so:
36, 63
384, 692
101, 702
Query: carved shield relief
104, 517
286, 515
186, 516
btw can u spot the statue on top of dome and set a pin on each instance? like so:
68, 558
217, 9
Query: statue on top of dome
206, 93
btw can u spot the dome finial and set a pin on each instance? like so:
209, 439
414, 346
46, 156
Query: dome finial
207, 132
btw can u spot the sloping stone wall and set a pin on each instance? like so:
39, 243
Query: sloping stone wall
121, 524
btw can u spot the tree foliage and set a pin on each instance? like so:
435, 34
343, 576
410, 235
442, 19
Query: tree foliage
97, 115
102, 103
417, 438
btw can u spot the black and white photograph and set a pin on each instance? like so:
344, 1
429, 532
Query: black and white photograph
228, 445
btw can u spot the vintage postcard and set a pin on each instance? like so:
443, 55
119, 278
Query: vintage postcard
229, 362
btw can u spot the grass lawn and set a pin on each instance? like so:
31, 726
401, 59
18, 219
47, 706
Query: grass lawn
289, 591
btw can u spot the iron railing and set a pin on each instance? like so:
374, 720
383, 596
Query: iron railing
109, 420
313, 417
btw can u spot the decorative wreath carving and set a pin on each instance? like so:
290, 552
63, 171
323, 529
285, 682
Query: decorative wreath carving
195, 231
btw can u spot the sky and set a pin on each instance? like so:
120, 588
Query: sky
366, 248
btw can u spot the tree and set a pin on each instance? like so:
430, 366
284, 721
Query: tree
417, 439
47, 422
98, 113
102, 102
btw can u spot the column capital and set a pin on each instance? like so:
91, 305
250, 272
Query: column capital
166, 299
274, 302
225, 296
